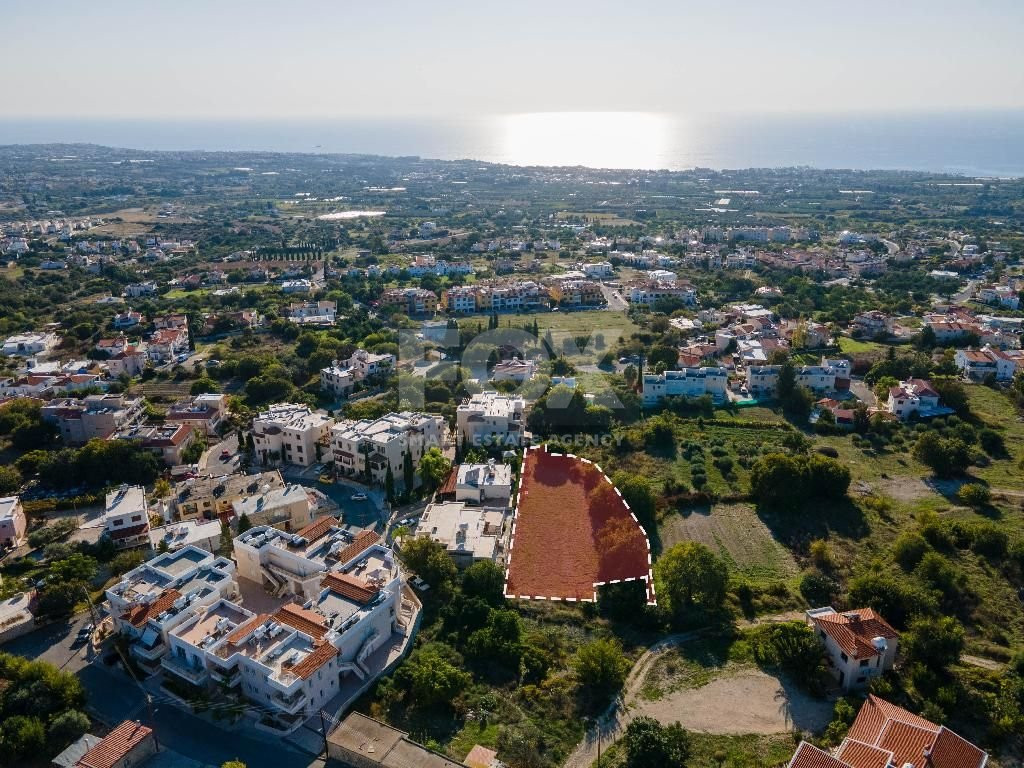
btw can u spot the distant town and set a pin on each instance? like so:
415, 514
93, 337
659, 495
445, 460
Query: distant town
345, 460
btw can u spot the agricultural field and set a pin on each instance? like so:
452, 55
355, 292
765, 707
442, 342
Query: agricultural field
735, 533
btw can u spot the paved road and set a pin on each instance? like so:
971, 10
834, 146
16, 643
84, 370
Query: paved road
615, 300
210, 463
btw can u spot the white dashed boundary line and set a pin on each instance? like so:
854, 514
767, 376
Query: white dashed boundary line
652, 598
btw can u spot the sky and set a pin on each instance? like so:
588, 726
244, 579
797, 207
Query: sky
302, 59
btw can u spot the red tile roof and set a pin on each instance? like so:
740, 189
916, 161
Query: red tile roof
861, 755
349, 586
139, 614
853, 631
238, 634
951, 750
809, 756
318, 528
360, 544
320, 656
297, 617
874, 714
908, 743
115, 745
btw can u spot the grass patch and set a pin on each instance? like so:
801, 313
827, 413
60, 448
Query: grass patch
693, 665
722, 751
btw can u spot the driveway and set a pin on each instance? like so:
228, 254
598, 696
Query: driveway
211, 463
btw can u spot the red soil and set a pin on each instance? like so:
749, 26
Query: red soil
572, 531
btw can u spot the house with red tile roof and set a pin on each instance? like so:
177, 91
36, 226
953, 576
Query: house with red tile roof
887, 736
860, 645
130, 744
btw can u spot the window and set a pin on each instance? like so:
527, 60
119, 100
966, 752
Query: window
863, 662
844, 657
118, 522
136, 518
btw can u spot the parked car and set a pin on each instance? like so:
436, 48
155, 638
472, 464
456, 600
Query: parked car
358, 497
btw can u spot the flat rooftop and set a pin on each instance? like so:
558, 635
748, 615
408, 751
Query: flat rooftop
216, 622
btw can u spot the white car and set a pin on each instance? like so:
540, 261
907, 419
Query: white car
358, 497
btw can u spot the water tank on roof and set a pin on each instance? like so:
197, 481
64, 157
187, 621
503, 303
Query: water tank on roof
880, 643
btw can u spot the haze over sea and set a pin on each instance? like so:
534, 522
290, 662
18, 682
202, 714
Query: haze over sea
981, 143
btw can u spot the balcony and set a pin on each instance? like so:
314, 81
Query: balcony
289, 704
228, 677
150, 654
183, 669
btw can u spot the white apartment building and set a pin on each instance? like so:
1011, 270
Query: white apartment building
763, 380
491, 418
469, 533
313, 312
460, 298
688, 382
289, 508
13, 523
196, 533
978, 364
295, 660
341, 376
126, 518
205, 413
647, 293
598, 269
155, 597
290, 433
137, 290
859, 645
367, 448
489, 483
914, 396
30, 344
514, 370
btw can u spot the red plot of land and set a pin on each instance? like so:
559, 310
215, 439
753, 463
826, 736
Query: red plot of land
572, 532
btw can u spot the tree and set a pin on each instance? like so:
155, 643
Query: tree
233, 764
690, 574
434, 676
936, 642
430, 561
65, 728
10, 480
639, 494
777, 478
945, 456
389, 484
500, 641
21, 739
601, 665
434, 468
786, 385
408, 476
486, 580
649, 743
59, 600
244, 523
974, 495
77, 567
896, 598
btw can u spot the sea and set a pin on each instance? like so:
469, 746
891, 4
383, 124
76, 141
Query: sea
974, 143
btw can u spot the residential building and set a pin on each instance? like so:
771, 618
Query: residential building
872, 323
290, 433
339, 638
187, 533
978, 364
126, 517
289, 508
313, 312
460, 298
204, 413
469, 533
489, 483
914, 397
213, 498
649, 292
688, 382
363, 742
949, 331
411, 301
296, 286
127, 319
884, 735
137, 290
81, 420
571, 292
859, 644
340, 378
763, 380
130, 361
1001, 295
598, 269
13, 523
30, 344
369, 447
491, 418
152, 599
113, 345
167, 343
129, 745
514, 370
168, 441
